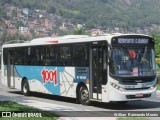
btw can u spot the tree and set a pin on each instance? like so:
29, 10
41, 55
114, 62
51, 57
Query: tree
80, 29
14, 13
19, 24
78, 32
4, 37
89, 25
52, 10
64, 32
157, 44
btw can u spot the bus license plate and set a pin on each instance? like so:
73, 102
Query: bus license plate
139, 95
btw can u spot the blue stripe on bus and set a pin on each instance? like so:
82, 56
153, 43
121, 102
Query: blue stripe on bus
39, 72
35, 72
82, 74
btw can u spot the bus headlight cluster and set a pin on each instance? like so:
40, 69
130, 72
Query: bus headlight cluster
152, 87
117, 87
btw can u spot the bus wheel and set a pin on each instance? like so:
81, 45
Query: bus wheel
84, 96
25, 88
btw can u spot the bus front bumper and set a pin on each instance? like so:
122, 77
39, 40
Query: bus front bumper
130, 95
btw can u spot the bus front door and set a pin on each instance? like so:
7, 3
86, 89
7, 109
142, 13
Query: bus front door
96, 58
10, 70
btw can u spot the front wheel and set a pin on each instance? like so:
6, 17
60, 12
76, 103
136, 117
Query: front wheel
25, 88
84, 95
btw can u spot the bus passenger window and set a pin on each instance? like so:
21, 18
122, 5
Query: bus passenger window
80, 55
65, 56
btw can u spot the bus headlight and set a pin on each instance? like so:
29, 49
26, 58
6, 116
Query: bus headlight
152, 87
117, 87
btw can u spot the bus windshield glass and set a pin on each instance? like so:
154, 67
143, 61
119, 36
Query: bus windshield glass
135, 61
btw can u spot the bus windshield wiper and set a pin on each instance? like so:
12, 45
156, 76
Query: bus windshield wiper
144, 55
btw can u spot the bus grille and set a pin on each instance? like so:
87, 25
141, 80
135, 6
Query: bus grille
134, 97
137, 88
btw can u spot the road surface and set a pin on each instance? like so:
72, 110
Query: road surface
63, 105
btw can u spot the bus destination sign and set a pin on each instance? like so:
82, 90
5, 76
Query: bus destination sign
133, 41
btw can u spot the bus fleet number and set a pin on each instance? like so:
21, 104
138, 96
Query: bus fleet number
49, 76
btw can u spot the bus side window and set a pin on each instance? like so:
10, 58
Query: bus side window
80, 55
54, 51
5, 56
48, 60
19, 56
32, 56
65, 56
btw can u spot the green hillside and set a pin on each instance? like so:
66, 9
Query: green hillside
126, 14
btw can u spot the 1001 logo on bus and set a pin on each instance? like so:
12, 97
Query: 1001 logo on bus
49, 76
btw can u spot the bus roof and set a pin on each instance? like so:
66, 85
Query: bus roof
66, 39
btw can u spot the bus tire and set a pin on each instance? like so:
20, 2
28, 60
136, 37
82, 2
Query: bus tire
25, 88
84, 96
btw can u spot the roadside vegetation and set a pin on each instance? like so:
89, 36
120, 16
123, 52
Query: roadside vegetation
158, 79
158, 86
7, 106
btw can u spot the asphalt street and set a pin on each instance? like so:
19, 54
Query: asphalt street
67, 106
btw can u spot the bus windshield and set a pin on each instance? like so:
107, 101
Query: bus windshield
129, 62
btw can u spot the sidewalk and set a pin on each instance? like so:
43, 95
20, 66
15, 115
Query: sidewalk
158, 93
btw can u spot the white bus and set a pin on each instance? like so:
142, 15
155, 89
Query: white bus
114, 67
